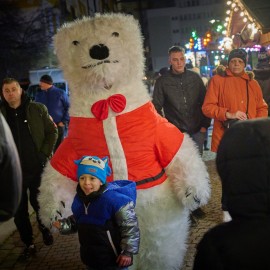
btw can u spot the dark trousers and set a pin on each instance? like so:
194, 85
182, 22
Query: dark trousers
60, 138
21, 218
199, 138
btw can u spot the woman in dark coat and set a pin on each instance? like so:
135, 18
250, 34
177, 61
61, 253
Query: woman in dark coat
243, 163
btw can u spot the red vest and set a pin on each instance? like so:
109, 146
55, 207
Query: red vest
148, 140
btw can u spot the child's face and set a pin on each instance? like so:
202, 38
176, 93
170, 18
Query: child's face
89, 183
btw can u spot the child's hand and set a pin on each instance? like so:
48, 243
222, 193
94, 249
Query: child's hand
123, 260
56, 224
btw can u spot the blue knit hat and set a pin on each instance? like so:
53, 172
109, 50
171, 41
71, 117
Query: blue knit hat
94, 166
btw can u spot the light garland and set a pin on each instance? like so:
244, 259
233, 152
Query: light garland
254, 28
237, 6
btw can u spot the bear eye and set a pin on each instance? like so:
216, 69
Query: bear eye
115, 34
75, 42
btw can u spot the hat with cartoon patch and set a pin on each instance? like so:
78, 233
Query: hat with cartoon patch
94, 166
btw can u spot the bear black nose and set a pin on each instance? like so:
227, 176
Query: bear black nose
99, 52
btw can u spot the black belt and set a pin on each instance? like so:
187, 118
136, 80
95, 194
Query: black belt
150, 179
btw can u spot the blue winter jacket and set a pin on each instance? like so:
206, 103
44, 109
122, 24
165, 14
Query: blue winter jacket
106, 226
57, 102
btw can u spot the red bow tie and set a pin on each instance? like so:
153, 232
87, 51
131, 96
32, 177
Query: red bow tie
100, 109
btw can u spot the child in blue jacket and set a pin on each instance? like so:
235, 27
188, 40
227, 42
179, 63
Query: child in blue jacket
104, 216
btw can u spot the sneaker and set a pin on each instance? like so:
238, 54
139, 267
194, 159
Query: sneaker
47, 237
198, 213
28, 252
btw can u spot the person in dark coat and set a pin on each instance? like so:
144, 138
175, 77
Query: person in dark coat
243, 163
10, 173
178, 96
57, 102
35, 135
262, 74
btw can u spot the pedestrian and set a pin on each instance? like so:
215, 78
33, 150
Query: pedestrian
232, 95
35, 135
262, 74
57, 102
178, 96
243, 164
10, 173
104, 215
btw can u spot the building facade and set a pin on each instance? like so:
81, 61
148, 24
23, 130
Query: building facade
174, 25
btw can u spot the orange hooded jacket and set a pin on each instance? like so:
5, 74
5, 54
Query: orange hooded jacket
227, 92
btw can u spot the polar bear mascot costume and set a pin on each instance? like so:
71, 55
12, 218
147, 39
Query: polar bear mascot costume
112, 115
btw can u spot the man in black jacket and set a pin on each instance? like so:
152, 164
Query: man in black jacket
179, 95
35, 135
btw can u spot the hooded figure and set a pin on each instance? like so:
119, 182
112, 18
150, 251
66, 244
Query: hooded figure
262, 75
243, 163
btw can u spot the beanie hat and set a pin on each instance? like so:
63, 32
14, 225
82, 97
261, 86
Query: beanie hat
94, 166
46, 79
263, 61
262, 55
238, 53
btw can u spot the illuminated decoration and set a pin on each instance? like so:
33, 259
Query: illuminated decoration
194, 42
194, 35
207, 39
243, 29
226, 45
199, 44
191, 43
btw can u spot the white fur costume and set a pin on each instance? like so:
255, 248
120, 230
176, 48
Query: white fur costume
162, 209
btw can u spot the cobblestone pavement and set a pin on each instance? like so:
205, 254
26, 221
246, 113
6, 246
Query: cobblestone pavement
212, 210
64, 254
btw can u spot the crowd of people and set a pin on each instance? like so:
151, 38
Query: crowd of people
236, 102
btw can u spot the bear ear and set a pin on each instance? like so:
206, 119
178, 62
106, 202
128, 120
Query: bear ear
107, 167
108, 170
77, 161
106, 160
